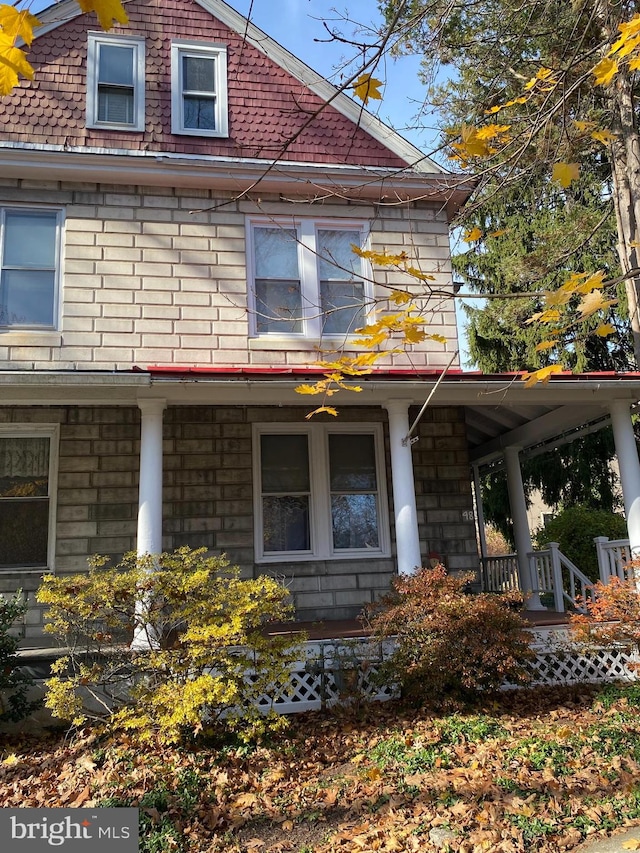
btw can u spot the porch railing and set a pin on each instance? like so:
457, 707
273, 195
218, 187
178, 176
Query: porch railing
500, 573
558, 576
554, 574
613, 557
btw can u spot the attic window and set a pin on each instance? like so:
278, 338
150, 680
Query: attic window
115, 82
199, 89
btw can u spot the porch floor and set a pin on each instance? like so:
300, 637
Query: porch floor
340, 629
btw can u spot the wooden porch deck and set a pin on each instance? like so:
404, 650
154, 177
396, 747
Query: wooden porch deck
343, 629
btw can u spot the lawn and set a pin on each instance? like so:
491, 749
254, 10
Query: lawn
536, 770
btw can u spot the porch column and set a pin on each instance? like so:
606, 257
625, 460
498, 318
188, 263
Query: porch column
150, 492
404, 493
477, 494
521, 533
627, 453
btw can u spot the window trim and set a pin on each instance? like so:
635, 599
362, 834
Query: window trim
197, 48
320, 520
95, 40
307, 229
52, 432
57, 279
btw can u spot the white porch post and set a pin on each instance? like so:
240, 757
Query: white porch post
149, 507
404, 493
627, 454
150, 491
521, 533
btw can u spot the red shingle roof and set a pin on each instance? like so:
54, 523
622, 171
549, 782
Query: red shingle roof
267, 105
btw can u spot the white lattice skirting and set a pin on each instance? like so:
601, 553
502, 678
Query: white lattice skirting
337, 671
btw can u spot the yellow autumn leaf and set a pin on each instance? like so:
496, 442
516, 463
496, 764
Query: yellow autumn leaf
11, 760
584, 126
416, 273
491, 131
367, 87
13, 62
591, 282
328, 409
107, 11
634, 64
307, 389
604, 330
471, 144
565, 173
439, 339
543, 375
400, 297
545, 345
592, 302
604, 136
17, 24
473, 235
605, 71
499, 232
631, 844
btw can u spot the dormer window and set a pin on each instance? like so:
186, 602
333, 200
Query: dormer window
115, 82
199, 89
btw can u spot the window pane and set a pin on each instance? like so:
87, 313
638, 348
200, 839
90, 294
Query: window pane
285, 523
278, 306
355, 521
26, 298
24, 467
116, 65
198, 74
115, 105
352, 463
199, 113
336, 259
285, 463
342, 307
276, 253
30, 239
24, 527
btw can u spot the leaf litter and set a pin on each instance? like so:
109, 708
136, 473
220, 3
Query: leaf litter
539, 770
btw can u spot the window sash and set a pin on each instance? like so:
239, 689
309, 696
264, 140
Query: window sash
28, 468
341, 513
199, 106
29, 267
115, 82
332, 299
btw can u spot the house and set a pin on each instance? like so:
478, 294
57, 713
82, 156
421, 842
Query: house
178, 199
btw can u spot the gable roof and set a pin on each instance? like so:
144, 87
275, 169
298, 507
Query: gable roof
399, 152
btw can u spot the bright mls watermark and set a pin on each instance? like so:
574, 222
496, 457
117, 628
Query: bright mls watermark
69, 830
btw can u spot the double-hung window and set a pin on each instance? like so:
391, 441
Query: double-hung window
27, 496
115, 82
29, 267
305, 279
199, 89
319, 492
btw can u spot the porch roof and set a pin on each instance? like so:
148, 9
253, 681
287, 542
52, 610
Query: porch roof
499, 410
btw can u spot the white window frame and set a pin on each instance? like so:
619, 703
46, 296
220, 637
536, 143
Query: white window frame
136, 43
210, 51
308, 266
5, 328
320, 519
52, 432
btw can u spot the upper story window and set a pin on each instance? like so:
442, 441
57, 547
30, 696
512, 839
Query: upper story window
319, 492
199, 89
29, 267
305, 279
28, 455
115, 82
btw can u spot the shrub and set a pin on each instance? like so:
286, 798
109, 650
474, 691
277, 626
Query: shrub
204, 653
14, 684
575, 528
613, 617
448, 642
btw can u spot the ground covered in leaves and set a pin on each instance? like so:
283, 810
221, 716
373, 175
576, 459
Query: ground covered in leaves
537, 770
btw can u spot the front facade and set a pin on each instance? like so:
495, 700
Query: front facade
177, 210
177, 214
